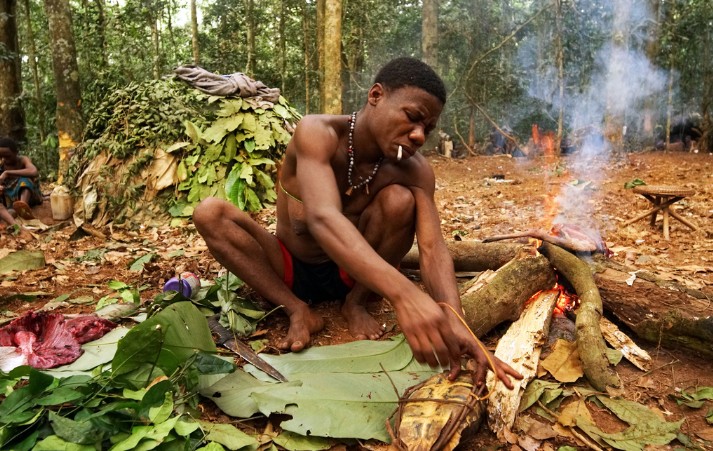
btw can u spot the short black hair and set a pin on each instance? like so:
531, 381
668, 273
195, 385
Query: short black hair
405, 71
9, 143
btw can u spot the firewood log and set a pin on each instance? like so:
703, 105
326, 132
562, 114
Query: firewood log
590, 343
520, 348
504, 296
471, 255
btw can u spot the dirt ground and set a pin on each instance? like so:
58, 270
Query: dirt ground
477, 197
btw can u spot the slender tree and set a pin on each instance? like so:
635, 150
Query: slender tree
429, 32
66, 76
306, 49
332, 99
32, 59
194, 33
12, 122
250, 30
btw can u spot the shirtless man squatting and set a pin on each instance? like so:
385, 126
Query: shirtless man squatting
352, 193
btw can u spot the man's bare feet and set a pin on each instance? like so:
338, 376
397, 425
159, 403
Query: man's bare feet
303, 323
362, 325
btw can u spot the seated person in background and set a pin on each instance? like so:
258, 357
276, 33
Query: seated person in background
353, 191
19, 188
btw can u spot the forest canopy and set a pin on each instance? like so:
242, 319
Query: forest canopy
632, 70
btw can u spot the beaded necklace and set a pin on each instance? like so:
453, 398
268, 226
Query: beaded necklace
350, 151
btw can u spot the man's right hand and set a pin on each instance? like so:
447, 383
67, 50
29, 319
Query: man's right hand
428, 331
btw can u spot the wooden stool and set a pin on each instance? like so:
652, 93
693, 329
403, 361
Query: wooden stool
662, 197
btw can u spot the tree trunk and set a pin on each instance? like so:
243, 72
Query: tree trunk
616, 70
66, 75
590, 343
12, 121
320, 27
560, 72
429, 32
32, 58
194, 34
332, 86
250, 29
101, 33
655, 312
282, 48
156, 46
307, 59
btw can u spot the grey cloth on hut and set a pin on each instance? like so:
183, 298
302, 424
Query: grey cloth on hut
225, 85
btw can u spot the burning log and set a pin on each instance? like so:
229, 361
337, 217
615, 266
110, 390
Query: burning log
563, 235
503, 297
520, 348
590, 344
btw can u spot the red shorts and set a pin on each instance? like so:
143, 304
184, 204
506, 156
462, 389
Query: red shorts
315, 282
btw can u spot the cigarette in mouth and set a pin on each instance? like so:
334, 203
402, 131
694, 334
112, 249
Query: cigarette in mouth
400, 154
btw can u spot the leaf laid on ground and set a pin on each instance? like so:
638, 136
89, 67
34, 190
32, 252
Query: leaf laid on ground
229, 436
573, 412
138, 264
343, 392
22, 261
645, 426
706, 434
696, 399
363, 356
534, 390
709, 417
339, 405
614, 356
177, 332
292, 441
564, 363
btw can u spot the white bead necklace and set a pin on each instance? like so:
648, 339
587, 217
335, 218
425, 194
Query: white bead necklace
350, 152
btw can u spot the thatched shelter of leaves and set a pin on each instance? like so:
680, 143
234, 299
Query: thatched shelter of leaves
155, 149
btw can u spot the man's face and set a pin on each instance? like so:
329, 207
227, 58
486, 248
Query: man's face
6, 153
405, 118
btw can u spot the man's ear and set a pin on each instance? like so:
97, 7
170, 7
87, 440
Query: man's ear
376, 93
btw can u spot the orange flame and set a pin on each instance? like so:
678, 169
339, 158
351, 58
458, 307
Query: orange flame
566, 302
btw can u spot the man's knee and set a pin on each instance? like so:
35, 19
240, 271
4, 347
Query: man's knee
397, 203
209, 213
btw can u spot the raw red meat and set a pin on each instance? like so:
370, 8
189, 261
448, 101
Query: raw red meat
47, 340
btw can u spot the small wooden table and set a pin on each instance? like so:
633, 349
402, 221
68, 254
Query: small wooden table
663, 197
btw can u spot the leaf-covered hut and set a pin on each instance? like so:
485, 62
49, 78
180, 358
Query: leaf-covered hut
155, 149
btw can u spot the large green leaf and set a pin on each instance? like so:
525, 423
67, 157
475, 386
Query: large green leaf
336, 391
229, 436
22, 261
165, 340
363, 356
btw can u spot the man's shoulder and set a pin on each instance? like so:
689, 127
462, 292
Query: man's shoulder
317, 122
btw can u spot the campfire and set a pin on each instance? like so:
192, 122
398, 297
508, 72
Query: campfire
563, 274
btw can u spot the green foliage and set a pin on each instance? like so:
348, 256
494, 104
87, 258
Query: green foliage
115, 408
224, 146
235, 156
